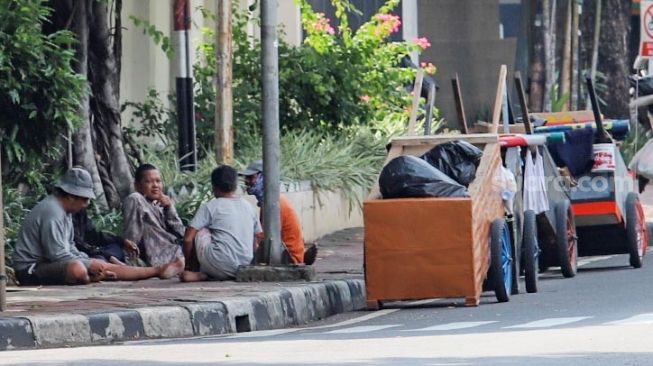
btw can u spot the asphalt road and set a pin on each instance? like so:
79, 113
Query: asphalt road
603, 316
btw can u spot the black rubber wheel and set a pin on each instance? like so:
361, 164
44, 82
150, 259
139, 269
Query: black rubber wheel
566, 239
531, 251
635, 234
500, 271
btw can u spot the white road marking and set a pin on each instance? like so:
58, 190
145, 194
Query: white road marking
274, 332
263, 333
640, 319
360, 319
588, 260
363, 329
550, 322
451, 326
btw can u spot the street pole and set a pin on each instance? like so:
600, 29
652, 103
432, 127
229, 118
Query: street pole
271, 148
184, 87
3, 271
224, 132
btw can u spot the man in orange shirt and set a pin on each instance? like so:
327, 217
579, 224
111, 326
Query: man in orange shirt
291, 228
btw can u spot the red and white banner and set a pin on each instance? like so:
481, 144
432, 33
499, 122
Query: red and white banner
646, 29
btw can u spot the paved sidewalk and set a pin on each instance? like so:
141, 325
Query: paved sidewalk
117, 311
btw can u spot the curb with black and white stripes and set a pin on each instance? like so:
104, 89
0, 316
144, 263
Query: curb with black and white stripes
286, 307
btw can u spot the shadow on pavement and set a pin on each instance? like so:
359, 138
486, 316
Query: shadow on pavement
606, 269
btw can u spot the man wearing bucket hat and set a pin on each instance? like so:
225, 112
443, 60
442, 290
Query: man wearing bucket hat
291, 229
45, 252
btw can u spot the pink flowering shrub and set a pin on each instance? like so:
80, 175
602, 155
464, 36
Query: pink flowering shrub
361, 71
423, 43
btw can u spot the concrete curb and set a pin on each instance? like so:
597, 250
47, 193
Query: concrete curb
289, 306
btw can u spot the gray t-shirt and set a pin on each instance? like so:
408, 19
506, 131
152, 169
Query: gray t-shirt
232, 223
46, 236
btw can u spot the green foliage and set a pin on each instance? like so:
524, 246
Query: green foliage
349, 162
110, 221
16, 206
635, 140
334, 81
39, 91
159, 38
600, 85
150, 120
558, 103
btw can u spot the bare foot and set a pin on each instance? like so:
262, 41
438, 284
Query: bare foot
117, 261
171, 269
189, 276
103, 275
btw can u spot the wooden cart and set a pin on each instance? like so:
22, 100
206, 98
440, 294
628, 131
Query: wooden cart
420, 248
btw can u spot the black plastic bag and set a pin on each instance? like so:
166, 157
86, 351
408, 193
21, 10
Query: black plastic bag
409, 176
457, 159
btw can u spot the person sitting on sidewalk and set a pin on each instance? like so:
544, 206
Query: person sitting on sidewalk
291, 229
234, 232
150, 218
45, 253
100, 244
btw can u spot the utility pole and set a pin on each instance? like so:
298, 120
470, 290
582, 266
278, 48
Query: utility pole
3, 271
271, 148
184, 87
224, 131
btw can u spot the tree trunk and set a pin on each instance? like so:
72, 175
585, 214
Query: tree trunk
613, 57
83, 142
575, 50
73, 15
549, 29
565, 74
537, 64
105, 83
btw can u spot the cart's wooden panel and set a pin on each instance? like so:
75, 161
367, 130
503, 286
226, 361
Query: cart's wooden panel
418, 248
487, 206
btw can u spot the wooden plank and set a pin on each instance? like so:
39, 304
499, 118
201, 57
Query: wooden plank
430, 103
484, 127
481, 138
523, 104
417, 91
498, 101
460, 108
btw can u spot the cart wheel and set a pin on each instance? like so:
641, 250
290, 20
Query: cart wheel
542, 265
501, 260
566, 239
636, 231
531, 251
